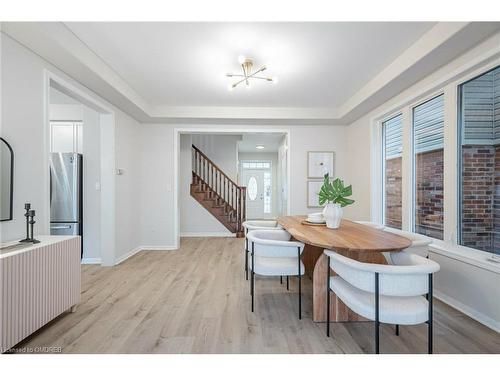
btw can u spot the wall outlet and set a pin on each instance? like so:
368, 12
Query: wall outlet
98, 186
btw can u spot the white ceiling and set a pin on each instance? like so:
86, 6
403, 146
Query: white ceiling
270, 141
184, 64
330, 73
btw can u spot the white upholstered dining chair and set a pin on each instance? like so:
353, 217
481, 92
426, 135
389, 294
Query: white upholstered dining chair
273, 254
419, 243
250, 225
371, 224
384, 293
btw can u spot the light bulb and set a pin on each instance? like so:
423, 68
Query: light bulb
275, 80
241, 59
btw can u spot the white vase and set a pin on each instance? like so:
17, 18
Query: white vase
333, 215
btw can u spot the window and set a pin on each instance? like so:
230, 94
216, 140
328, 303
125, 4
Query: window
255, 164
267, 192
479, 157
392, 131
428, 136
252, 188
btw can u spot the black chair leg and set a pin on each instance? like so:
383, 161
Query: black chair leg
246, 255
397, 329
377, 321
252, 287
287, 283
246, 264
281, 279
300, 284
429, 325
300, 298
328, 300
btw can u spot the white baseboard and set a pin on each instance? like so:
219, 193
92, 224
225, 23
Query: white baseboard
208, 234
170, 247
128, 255
90, 261
469, 311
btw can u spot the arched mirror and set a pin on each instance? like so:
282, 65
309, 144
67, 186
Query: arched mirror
6, 180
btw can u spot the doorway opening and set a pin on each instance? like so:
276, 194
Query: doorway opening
80, 174
224, 176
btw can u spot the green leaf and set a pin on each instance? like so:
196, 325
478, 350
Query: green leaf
335, 192
347, 191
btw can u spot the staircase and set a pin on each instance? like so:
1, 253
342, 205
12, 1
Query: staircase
215, 191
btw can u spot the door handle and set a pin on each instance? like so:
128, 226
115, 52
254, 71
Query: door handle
62, 227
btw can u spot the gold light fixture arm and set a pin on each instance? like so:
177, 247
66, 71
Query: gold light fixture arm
246, 67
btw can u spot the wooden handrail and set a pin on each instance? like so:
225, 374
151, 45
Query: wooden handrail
215, 165
221, 184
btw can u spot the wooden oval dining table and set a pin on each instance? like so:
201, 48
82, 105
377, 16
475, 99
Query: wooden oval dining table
356, 241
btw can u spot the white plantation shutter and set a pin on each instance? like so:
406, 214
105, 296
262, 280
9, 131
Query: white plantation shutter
393, 133
481, 109
496, 101
428, 122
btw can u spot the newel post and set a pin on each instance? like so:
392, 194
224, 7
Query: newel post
244, 200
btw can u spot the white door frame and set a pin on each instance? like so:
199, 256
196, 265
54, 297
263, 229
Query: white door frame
218, 130
107, 126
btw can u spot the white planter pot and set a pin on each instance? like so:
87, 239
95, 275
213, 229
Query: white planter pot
333, 215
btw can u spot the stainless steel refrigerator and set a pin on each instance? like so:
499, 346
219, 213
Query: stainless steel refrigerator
66, 193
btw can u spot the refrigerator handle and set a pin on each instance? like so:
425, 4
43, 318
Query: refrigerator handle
62, 227
50, 187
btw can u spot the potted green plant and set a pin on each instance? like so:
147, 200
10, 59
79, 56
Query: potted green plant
334, 196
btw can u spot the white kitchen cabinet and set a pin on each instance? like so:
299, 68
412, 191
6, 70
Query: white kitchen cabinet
66, 136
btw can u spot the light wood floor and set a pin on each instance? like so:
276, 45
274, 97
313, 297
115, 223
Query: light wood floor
196, 300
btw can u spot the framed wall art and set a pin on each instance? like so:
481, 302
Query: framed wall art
319, 163
313, 188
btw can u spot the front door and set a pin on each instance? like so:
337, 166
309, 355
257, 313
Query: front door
258, 183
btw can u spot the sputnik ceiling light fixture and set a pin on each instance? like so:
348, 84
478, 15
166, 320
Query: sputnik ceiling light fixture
247, 66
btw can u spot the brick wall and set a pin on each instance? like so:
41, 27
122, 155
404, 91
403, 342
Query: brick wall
479, 176
496, 203
393, 193
480, 195
429, 170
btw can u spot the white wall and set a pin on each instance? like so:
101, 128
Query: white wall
158, 168
222, 149
128, 186
464, 284
157, 190
309, 138
23, 126
91, 176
